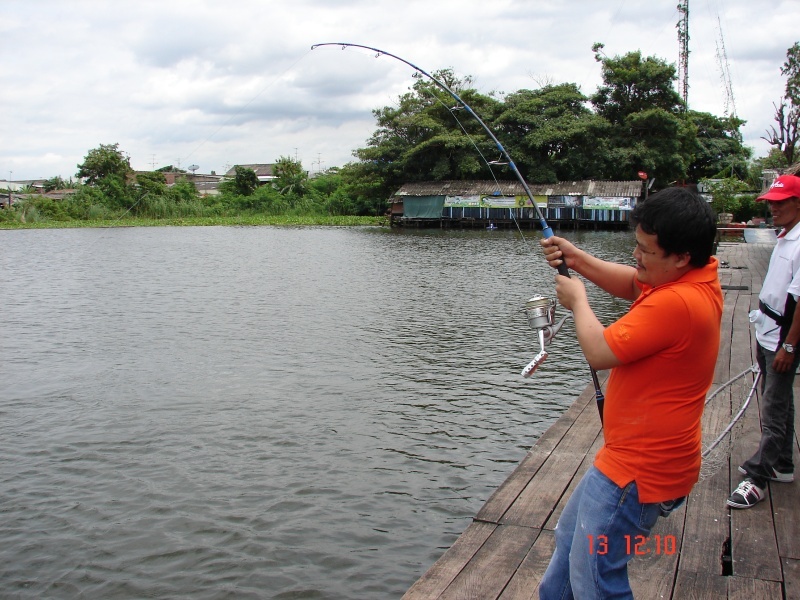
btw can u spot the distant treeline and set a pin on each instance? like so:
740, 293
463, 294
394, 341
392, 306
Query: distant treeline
634, 125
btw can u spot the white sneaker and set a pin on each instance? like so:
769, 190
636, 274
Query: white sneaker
746, 495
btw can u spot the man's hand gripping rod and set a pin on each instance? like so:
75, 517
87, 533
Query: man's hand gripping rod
541, 316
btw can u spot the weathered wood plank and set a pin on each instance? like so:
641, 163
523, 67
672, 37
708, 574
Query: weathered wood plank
524, 585
785, 503
535, 503
699, 586
446, 569
585, 464
754, 546
499, 502
486, 575
743, 588
791, 578
707, 525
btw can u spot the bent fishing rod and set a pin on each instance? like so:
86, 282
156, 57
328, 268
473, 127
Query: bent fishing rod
542, 319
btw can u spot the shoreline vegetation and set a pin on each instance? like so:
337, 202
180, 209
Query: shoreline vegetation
220, 221
635, 125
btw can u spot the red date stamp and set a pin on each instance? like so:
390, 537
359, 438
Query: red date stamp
638, 545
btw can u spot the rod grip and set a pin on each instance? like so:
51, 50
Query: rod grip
547, 232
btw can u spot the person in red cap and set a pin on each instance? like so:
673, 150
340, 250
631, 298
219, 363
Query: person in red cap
777, 324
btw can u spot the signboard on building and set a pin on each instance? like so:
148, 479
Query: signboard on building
462, 201
564, 201
608, 203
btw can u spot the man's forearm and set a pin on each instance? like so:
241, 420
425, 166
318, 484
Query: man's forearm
618, 280
591, 339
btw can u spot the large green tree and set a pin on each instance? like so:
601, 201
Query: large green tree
719, 151
108, 169
552, 134
244, 182
426, 136
647, 133
291, 178
102, 162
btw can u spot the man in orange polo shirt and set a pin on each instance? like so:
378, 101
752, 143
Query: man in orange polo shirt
662, 355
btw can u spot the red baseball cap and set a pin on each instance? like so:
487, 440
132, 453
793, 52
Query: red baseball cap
783, 188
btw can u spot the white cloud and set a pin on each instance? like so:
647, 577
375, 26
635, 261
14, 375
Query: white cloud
217, 84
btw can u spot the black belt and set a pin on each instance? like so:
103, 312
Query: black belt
771, 313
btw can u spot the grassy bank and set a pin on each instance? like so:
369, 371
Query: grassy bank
244, 220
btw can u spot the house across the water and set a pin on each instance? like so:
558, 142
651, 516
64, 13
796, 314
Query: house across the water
571, 204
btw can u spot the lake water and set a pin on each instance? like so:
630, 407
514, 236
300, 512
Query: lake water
304, 413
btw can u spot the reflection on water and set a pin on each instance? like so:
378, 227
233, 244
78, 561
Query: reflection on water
263, 412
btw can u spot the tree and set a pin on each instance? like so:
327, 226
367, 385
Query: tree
154, 184
719, 150
290, 176
787, 134
425, 137
54, 183
633, 85
170, 169
791, 68
244, 182
105, 161
552, 134
787, 111
647, 131
725, 193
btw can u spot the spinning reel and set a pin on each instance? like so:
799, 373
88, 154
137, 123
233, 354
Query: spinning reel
540, 312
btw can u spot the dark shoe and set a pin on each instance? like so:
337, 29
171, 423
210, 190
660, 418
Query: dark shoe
777, 476
746, 495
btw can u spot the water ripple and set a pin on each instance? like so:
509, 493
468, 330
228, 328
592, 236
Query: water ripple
256, 412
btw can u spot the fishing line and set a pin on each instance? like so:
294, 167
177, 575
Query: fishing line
540, 312
452, 110
244, 106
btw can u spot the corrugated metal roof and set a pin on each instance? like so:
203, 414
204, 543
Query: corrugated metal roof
625, 189
261, 170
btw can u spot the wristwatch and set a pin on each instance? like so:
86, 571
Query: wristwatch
788, 347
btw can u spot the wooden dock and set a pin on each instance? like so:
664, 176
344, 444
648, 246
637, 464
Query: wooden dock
712, 551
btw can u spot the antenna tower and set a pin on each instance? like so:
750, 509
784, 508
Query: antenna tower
683, 53
725, 74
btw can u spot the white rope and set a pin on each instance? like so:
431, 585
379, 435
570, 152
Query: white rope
715, 453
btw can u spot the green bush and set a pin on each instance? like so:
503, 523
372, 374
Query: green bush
749, 208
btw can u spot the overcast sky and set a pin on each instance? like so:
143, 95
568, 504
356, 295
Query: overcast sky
213, 84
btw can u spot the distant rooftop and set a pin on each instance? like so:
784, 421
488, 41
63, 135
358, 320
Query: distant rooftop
625, 189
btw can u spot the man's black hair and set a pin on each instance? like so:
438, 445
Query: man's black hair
682, 220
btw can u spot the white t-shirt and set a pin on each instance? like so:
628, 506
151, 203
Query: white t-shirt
783, 277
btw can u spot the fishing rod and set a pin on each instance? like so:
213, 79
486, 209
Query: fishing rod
540, 315
547, 231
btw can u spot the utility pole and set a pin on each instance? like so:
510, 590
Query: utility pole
683, 52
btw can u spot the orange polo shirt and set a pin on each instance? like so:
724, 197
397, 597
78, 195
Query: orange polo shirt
668, 343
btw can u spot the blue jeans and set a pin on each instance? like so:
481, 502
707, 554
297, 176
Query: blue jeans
596, 536
777, 421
